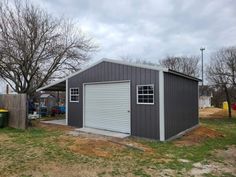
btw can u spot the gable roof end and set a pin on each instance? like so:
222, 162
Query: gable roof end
157, 68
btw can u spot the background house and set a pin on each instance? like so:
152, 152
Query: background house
205, 96
47, 100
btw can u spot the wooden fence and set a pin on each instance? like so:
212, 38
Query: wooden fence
16, 104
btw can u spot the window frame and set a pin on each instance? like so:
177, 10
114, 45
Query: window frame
74, 95
137, 94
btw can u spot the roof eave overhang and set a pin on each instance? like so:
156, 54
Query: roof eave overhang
53, 85
184, 75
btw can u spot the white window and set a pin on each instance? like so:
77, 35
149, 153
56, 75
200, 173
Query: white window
145, 94
74, 94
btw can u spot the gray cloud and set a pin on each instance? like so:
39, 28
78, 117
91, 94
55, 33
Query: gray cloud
151, 29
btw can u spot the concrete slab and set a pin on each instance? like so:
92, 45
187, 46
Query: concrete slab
103, 132
57, 122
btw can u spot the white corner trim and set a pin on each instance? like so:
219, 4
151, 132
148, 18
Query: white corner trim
198, 102
67, 94
83, 101
161, 106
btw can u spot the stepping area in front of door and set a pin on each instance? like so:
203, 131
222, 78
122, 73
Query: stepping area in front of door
103, 132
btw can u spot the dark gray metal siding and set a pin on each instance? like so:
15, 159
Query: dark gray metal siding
181, 104
144, 118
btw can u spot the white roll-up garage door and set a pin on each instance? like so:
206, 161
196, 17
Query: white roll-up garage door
107, 106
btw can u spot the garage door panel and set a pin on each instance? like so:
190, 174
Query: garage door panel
107, 106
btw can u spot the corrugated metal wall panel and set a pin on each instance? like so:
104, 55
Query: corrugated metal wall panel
144, 118
181, 104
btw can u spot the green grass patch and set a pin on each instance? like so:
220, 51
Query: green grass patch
197, 153
28, 148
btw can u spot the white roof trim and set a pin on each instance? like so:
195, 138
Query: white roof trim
136, 65
117, 62
52, 84
67, 77
100, 61
45, 95
157, 68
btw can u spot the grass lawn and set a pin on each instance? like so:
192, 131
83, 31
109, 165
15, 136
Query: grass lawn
50, 152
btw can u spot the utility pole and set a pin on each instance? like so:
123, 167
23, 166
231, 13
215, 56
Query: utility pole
7, 89
202, 49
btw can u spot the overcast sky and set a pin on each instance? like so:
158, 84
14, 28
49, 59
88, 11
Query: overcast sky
151, 29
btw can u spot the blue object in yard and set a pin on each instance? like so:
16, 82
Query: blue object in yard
43, 111
62, 109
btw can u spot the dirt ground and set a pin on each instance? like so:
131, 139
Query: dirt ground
103, 146
91, 144
217, 168
197, 136
52, 127
214, 113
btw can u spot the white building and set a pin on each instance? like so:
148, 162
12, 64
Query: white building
205, 95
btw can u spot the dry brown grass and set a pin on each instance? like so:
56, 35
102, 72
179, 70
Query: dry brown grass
100, 146
52, 127
4, 137
56, 169
229, 154
90, 146
215, 113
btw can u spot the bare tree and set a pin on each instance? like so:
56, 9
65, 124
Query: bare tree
36, 47
221, 71
184, 64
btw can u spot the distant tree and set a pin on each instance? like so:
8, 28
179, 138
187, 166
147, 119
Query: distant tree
218, 96
184, 64
221, 72
138, 60
36, 47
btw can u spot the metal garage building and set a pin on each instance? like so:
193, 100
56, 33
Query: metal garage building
140, 100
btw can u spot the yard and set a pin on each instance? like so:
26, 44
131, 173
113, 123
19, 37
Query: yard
47, 150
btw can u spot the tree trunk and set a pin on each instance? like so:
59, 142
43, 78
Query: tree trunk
228, 100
